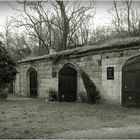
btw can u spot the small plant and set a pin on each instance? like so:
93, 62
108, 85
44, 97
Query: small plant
83, 96
3, 94
52, 95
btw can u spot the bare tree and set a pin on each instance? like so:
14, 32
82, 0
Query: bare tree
16, 44
128, 9
30, 19
117, 15
58, 26
65, 25
125, 17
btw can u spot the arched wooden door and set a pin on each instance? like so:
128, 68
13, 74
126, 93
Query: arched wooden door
33, 83
131, 82
67, 84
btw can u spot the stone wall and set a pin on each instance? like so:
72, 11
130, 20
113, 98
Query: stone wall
45, 80
94, 64
112, 89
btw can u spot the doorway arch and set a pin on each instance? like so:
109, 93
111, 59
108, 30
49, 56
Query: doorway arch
67, 84
131, 82
32, 74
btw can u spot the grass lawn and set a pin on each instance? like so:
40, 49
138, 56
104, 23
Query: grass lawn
36, 118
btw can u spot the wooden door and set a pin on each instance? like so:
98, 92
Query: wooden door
137, 96
131, 84
67, 84
33, 83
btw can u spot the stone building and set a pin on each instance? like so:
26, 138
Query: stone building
113, 68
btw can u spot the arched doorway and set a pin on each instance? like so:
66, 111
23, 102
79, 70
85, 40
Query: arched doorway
33, 82
67, 84
131, 82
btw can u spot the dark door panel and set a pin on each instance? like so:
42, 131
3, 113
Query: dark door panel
33, 83
131, 84
67, 84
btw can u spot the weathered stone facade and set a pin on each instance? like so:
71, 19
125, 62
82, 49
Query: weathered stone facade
93, 60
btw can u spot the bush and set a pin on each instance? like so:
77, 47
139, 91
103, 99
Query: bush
3, 94
52, 95
8, 69
83, 96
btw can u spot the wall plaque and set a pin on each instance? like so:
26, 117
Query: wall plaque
110, 73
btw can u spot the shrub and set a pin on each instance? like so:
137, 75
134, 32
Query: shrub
83, 96
3, 94
52, 95
8, 69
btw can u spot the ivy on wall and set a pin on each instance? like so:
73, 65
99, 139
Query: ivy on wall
91, 90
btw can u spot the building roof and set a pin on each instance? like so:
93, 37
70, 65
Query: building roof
114, 45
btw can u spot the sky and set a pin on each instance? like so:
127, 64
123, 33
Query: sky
102, 17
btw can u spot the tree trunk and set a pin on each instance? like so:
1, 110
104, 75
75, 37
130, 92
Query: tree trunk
128, 3
65, 25
117, 15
